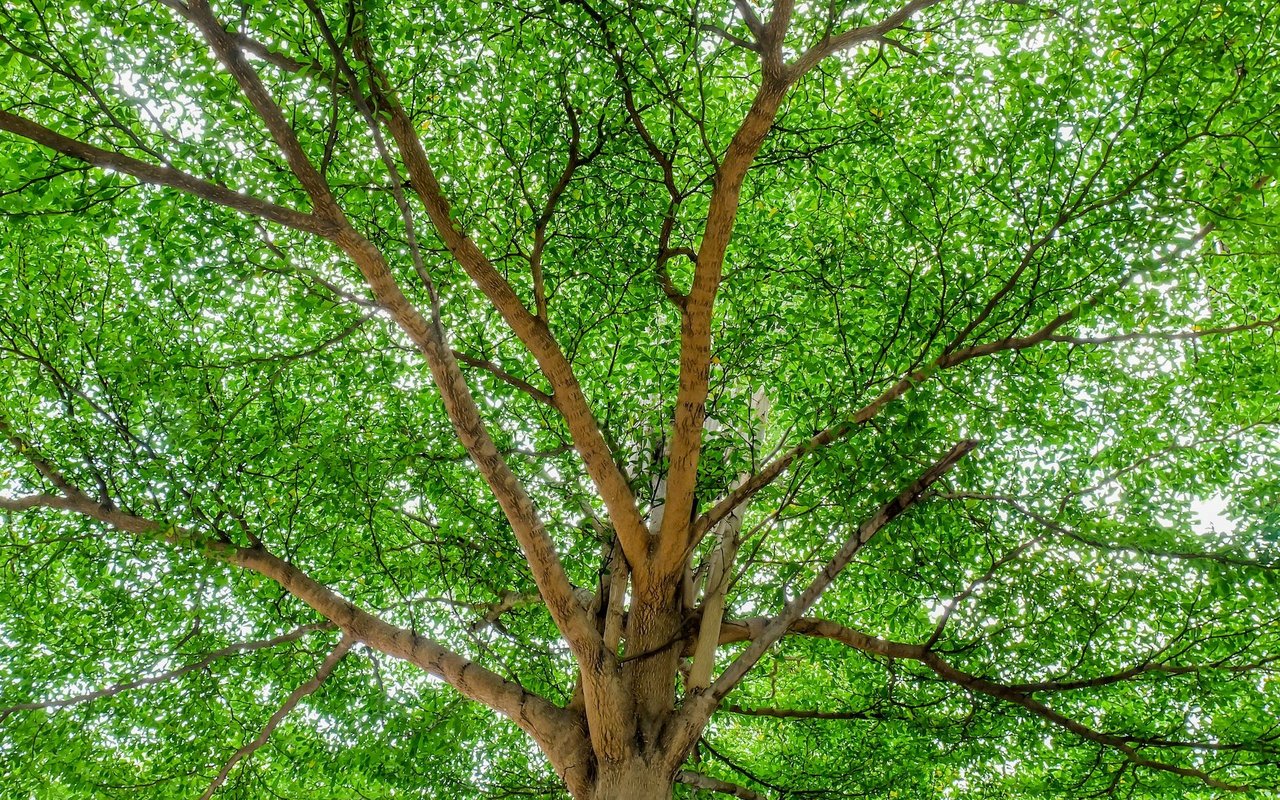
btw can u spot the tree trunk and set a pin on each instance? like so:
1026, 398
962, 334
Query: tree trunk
633, 779
653, 627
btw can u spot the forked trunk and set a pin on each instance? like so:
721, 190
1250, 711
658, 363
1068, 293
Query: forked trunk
630, 755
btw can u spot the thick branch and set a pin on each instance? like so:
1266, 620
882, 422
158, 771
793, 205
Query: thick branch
533, 331
695, 326
719, 574
227, 49
565, 608
750, 17
162, 176
430, 338
754, 628
695, 332
539, 718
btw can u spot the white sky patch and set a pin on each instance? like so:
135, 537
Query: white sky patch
1210, 516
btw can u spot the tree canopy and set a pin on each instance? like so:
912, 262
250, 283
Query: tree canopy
515, 398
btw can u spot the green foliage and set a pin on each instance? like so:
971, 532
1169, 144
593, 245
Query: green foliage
1003, 165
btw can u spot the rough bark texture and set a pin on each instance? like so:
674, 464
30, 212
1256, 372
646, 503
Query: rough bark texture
632, 780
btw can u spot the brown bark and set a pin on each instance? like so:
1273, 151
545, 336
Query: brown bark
654, 636
634, 779
695, 325
158, 175
530, 327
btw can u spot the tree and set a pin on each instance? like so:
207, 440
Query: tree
508, 398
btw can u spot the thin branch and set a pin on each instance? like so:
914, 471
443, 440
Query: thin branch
796, 608
574, 160
951, 605
290, 702
162, 677
1225, 559
700, 781
274, 57
839, 431
699, 706
855, 36
1119, 743
955, 356
506, 377
801, 713
748, 630
1168, 336
1143, 669
731, 38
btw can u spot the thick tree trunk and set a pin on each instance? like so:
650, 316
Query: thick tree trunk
634, 779
652, 660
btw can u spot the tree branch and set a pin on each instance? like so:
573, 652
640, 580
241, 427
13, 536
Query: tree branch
695, 328
731, 38
227, 49
1168, 336
954, 603
840, 430
801, 713
290, 702
162, 677
699, 706
533, 331
750, 17
750, 630
538, 717
163, 176
1139, 670
954, 356
506, 377
430, 339
1119, 743
695, 332
700, 781
854, 36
